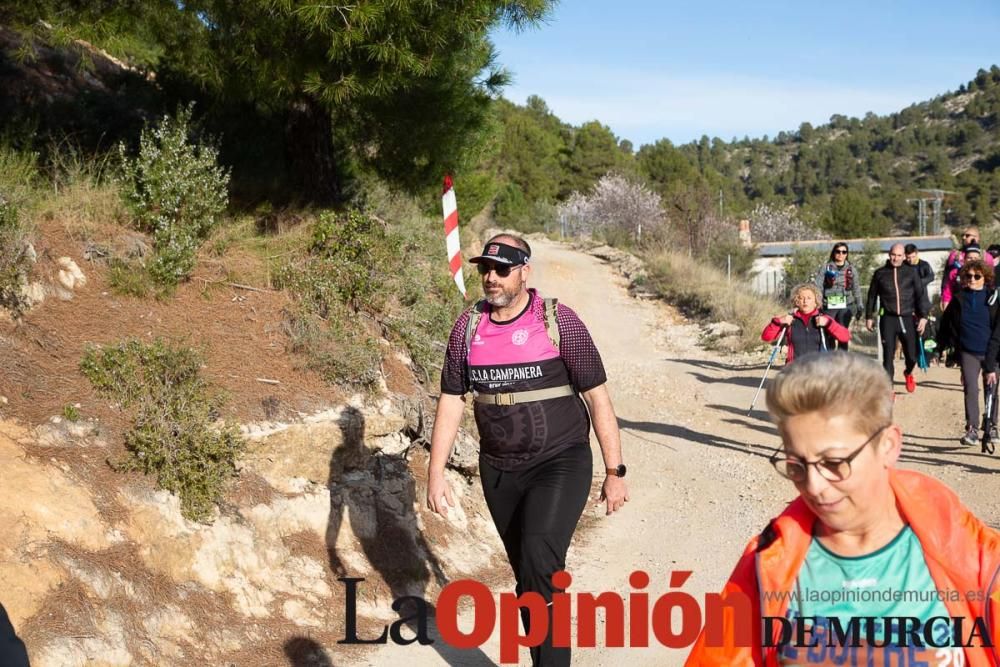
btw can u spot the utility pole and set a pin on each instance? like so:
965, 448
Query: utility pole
921, 215
936, 197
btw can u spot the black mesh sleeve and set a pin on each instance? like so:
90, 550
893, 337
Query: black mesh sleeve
453, 371
578, 352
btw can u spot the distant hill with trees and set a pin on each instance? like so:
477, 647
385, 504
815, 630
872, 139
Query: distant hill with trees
308, 101
849, 177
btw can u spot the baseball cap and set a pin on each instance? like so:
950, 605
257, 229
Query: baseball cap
501, 253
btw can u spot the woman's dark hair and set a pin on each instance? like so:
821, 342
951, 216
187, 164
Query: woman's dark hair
839, 245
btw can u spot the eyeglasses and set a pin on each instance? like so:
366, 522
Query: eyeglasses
830, 469
840, 251
502, 270
974, 276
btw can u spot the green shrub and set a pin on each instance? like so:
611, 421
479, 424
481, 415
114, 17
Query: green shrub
802, 266
428, 308
15, 260
128, 278
731, 255
339, 350
356, 250
345, 263
395, 274
865, 261
175, 191
615, 236
174, 434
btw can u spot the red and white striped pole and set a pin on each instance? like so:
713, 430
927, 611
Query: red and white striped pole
451, 234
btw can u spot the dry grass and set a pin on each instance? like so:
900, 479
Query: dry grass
702, 292
85, 208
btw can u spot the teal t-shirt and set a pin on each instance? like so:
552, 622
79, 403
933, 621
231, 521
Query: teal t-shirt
875, 592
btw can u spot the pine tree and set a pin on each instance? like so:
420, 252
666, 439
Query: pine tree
371, 73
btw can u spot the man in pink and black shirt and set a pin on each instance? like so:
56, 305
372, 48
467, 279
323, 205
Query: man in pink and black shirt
534, 402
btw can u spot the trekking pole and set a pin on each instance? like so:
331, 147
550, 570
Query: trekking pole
988, 446
774, 353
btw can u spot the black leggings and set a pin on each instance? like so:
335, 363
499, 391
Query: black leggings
904, 328
536, 512
841, 316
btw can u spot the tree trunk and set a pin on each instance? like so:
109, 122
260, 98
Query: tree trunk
309, 152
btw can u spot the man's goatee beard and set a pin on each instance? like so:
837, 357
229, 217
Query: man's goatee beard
500, 300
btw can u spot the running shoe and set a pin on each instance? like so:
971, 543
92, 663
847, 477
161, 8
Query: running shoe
911, 383
994, 435
971, 437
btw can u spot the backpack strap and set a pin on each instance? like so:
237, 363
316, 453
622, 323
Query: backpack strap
475, 316
551, 323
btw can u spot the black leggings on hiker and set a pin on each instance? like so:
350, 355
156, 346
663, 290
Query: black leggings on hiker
843, 317
536, 512
904, 328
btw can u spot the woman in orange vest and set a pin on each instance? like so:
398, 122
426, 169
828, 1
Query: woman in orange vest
870, 565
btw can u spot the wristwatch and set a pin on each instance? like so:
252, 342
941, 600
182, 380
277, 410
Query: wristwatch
618, 471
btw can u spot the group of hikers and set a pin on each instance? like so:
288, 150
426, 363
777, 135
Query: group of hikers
892, 554
967, 333
538, 382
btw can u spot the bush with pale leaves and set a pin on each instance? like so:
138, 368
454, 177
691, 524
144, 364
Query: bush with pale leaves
614, 206
769, 224
176, 191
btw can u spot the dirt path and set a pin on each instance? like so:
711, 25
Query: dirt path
701, 484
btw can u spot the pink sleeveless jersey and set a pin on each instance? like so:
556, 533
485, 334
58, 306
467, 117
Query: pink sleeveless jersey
519, 356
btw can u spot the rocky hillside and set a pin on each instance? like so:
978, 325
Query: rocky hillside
101, 568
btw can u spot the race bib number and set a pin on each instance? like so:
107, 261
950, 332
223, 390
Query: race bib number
836, 302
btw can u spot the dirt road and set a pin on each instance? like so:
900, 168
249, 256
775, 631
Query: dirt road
698, 472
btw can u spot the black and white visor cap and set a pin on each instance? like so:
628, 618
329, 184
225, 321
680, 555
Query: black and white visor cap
501, 253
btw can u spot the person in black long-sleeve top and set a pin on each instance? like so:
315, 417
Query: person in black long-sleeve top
970, 327
923, 268
904, 300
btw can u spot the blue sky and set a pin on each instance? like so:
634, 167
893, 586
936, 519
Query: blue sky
677, 70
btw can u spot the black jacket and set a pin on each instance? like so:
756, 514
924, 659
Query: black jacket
12, 651
925, 272
900, 290
951, 323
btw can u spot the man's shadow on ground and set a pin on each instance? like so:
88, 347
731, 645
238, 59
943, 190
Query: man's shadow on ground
379, 492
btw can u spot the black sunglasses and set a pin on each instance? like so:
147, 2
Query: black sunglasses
974, 276
502, 270
840, 251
